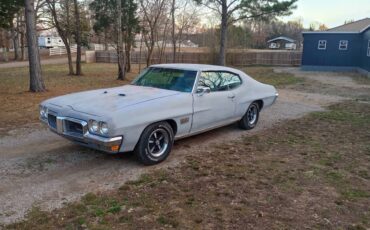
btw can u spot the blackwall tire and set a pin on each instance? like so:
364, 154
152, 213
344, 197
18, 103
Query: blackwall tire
250, 118
155, 143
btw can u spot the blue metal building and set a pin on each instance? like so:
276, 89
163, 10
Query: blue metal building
343, 48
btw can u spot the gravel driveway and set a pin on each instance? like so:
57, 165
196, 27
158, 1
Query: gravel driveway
40, 168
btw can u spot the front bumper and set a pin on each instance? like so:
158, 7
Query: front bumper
77, 131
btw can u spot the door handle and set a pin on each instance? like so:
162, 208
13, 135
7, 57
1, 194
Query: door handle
231, 96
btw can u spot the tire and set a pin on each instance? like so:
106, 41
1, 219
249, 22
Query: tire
155, 143
250, 118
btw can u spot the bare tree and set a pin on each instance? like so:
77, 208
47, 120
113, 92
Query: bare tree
173, 30
121, 56
187, 18
162, 39
78, 38
36, 81
232, 11
63, 25
152, 11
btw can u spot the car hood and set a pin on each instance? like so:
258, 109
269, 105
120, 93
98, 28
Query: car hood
102, 101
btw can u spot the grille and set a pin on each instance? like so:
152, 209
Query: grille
52, 120
73, 127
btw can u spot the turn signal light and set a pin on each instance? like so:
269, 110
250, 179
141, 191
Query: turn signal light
114, 148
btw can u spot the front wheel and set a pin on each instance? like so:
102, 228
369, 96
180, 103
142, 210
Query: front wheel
155, 143
250, 118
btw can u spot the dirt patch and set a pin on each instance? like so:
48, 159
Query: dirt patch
350, 85
282, 178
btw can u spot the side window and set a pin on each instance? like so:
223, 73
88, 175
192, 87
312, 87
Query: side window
213, 80
219, 81
343, 45
322, 45
368, 48
231, 81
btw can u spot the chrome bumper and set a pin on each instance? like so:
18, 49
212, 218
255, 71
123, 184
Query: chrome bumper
83, 136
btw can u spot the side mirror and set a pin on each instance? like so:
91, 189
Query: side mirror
201, 90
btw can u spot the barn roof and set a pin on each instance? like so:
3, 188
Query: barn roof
281, 38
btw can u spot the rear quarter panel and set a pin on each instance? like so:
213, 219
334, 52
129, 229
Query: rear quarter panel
252, 90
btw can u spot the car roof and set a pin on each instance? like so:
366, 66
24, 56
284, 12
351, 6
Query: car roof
203, 67
196, 67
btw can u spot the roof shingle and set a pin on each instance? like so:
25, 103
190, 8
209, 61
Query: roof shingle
357, 26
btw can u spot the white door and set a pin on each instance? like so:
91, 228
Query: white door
218, 106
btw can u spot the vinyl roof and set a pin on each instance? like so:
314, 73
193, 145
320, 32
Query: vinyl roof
200, 67
197, 67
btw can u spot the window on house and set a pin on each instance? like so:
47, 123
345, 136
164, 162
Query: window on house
322, 45
368, 49
343, 45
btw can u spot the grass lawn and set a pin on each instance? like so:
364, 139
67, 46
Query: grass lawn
19, 107
310, 173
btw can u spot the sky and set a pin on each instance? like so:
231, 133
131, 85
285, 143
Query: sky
330, 12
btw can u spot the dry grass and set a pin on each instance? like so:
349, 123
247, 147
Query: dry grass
268, 76
311, 173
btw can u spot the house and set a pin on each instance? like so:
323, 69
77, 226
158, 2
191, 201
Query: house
343, 48
50, 42
282, 43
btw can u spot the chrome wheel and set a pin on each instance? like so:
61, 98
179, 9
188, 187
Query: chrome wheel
252, 114
158, 142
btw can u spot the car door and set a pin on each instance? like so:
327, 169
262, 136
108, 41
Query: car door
218, 106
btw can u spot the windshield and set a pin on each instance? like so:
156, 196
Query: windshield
171, 79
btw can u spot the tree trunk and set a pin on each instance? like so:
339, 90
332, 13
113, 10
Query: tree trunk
15, 35
105, 39
173, 31
149, 56
36, 81
128, 58
69, 56
162, 48
223, 42
78, 39
23, 50
121, 56
16, 47
141, 47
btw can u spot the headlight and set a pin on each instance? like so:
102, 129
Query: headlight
93, 126
43, 112
98, 127
104, 128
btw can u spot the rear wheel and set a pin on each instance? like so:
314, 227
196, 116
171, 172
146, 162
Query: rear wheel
155, 143
250, 118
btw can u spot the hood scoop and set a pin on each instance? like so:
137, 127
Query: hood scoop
120, 94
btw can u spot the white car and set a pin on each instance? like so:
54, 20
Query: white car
164, 103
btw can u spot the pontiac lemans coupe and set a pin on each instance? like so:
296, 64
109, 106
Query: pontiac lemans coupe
164, 103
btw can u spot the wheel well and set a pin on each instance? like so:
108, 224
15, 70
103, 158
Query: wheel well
173, 125
260, 104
